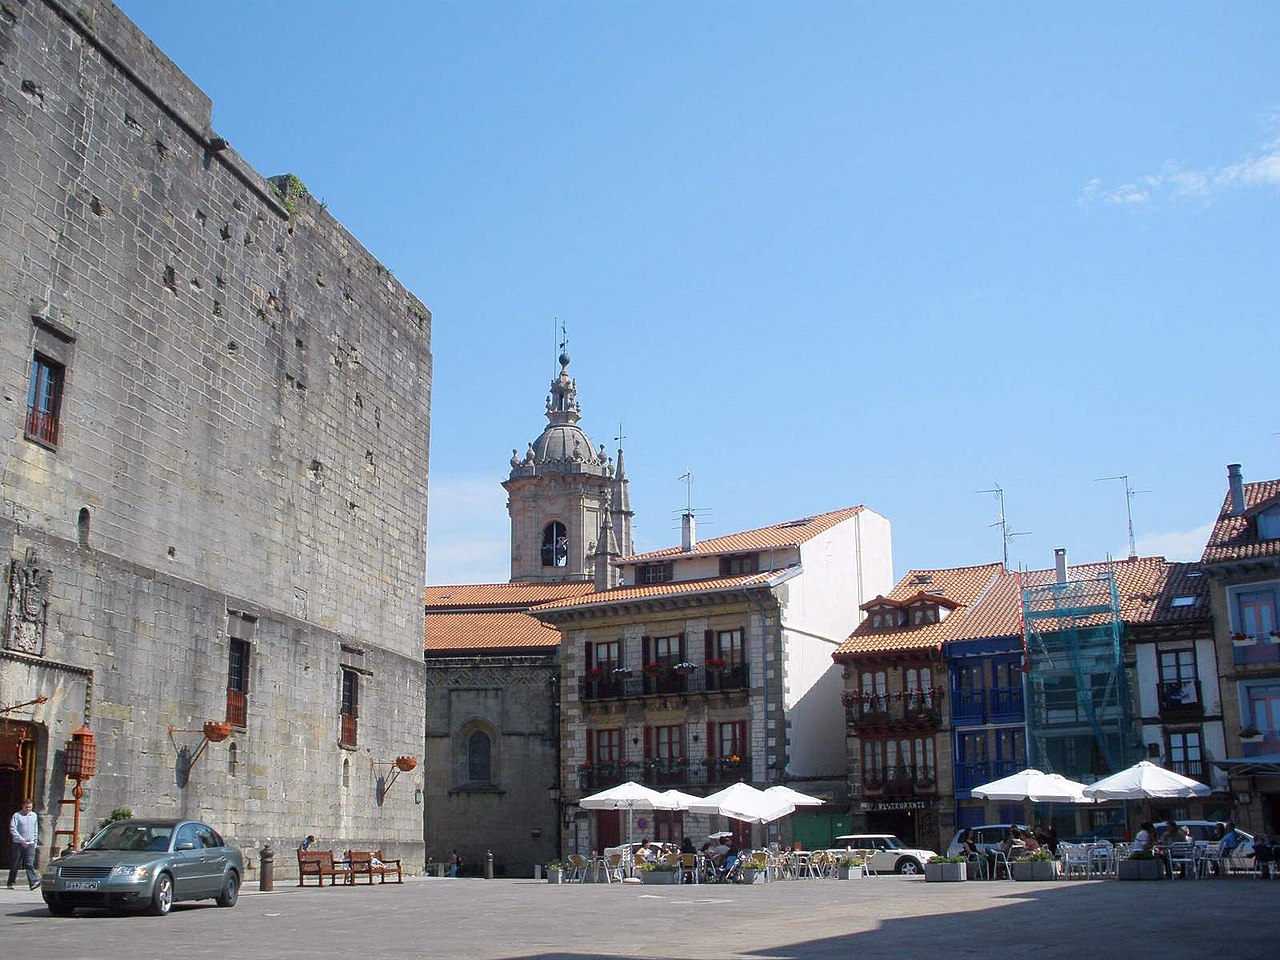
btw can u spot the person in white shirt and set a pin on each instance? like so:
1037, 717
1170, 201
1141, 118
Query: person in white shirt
24, 831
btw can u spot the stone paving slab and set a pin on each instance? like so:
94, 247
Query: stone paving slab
885, 917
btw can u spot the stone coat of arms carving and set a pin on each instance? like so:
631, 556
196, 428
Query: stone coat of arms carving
28, 604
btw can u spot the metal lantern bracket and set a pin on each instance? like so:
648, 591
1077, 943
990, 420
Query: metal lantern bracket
213, 731
398, 765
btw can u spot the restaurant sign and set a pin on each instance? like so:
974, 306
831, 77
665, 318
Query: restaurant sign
871, 806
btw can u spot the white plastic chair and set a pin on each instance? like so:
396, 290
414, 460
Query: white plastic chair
1077, 860
1182, 853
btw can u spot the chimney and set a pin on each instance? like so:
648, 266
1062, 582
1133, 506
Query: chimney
1236, 480
1060, 563
688, 532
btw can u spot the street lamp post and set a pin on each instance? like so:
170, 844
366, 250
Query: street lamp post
553, 794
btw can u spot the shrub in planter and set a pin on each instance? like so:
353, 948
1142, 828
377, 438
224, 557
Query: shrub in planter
946, 869
555, 872
1141, 865
657, 873
1036, 866
849, 868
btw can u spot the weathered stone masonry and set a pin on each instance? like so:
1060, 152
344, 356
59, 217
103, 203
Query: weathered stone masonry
244, 428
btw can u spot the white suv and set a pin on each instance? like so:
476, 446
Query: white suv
888, 854
988, 836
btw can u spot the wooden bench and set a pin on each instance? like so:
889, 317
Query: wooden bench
320, 864
370, 863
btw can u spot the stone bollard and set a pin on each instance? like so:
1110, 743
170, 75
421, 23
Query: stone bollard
440, 869
488, 864
537, 871
266, 867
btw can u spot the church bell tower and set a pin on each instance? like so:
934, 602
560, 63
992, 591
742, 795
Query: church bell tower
569, 505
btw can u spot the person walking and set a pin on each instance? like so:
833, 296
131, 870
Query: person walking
24, 830
455, 863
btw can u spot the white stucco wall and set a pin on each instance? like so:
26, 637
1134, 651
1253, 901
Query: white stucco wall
841, 569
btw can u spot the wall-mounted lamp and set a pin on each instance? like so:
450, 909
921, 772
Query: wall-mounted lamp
398, 766
635, 741
417, 796
213, 731
553, 793
695, 738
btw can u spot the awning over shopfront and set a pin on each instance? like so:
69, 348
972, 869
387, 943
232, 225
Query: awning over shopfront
1267, 765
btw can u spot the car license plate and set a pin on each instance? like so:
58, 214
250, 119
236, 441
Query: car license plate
81, 885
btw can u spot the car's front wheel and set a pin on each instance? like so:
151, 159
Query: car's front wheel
161, 896
57, 907
230, 891
909, 866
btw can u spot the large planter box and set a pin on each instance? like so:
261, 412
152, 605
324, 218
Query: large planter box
755, 875
945, 872
555, 876
850, 873
657, 876
1139, 870
1034, 870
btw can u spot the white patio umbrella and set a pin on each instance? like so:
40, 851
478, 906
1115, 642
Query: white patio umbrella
628, 796
683, 800
795, 796
741, 801
1145, 781
1034, 786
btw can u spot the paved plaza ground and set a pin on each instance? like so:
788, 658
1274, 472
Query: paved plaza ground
884, 917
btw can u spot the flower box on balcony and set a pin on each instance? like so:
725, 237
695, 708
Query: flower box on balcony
1243, 640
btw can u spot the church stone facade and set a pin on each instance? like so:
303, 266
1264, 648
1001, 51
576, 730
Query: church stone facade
213, 451
493, 674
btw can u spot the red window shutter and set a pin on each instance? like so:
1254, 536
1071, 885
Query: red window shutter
740, 738
711, 739
709, 644
648, 743
646, 647
684, 654
589, 649
591, 746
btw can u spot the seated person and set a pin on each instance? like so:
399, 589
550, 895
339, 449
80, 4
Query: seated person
1029, 843
1264, 855
730, 860
1145, 839
686, 846
643, 855
969, 844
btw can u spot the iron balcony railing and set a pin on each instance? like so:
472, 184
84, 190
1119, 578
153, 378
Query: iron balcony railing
910, 706
712, 771
974, 773
622, 684
42, 426
900, 781
237, 707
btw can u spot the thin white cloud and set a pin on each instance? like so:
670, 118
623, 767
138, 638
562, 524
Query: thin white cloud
1175, 545
1261, 169
468, 531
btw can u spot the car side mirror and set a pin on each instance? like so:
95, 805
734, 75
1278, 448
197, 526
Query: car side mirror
186, 845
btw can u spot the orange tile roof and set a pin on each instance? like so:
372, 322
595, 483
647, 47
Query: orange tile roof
506, 630
512, 595
962, 586
1236, 538
680, 587
991, 601
792, 533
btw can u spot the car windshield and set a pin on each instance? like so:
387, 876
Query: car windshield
893, 843
132, 835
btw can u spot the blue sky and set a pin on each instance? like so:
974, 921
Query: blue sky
817, 253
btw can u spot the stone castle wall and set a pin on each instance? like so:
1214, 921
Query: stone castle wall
245, 421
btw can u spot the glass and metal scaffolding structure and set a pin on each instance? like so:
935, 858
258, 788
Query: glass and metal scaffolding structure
1079, 712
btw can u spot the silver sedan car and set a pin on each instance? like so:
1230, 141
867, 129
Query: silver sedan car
145, 865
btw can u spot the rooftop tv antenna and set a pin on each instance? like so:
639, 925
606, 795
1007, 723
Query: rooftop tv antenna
1129, 494
1005, 533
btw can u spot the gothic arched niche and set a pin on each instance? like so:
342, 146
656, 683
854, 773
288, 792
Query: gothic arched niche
555, 545
476, 757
